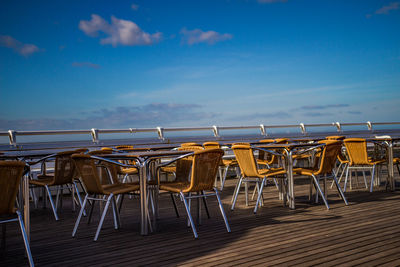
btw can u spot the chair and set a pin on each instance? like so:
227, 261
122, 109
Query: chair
87, 168
324, 169
115, 170
204, 167
225, 164
10, 177
64, 171
251, 173
357, 151
342, 158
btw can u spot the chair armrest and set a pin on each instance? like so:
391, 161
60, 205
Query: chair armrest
114, 162
174, 160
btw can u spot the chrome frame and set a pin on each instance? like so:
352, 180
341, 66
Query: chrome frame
187, 200
24, 235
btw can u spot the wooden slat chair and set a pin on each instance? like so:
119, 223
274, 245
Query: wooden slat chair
88, 170
10, 177
250, 173
357, 151
225, 164
64, 171
204, 167
323, 169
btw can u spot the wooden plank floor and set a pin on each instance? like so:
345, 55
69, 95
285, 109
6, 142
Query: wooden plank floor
367, 232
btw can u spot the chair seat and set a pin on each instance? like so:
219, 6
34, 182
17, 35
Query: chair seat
271, 172
175, 186
169, 169
229, 162
304, 171
119, 188
43, 180
129, 171
373, 162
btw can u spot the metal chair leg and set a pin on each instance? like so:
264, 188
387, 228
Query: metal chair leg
103, 216
189, 215
340, 190
320, 191
236, 193
79, 216
372, 178
259, 195
205, 205
222, 211
52, 203
25, 237
175, 207
117, 219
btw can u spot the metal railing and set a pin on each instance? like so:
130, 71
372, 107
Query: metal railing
160, 131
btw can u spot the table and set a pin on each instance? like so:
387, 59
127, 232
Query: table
388, 142
143, 159
289, 153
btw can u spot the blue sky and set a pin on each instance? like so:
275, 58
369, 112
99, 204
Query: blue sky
107, 64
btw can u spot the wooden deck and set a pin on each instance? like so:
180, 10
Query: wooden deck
366, 232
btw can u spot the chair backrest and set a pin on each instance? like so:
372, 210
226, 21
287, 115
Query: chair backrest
64, 168
244, 156
190, 148
81, 150
356, 150
264, 156
205, 165
328, 157
208, 145
10, 177
281, 140
335, 137
190, 144
124, 147
103, 173
88, 172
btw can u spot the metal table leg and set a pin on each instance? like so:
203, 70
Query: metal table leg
144, 230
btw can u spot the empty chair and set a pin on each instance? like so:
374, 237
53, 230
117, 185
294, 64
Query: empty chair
64, 171
87, 169
323, 169
251, 173
357, 151
225, 164
10, 177
204, 167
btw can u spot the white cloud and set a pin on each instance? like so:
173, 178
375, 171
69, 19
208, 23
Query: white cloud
271, 1
119, 32
386, 9
198, 36
135, 7
20, 48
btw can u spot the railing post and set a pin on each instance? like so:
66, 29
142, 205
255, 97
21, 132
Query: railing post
13, 137
95, 135
338, 126
303, 128
369, 124
160, 132
215, 130
262, 128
